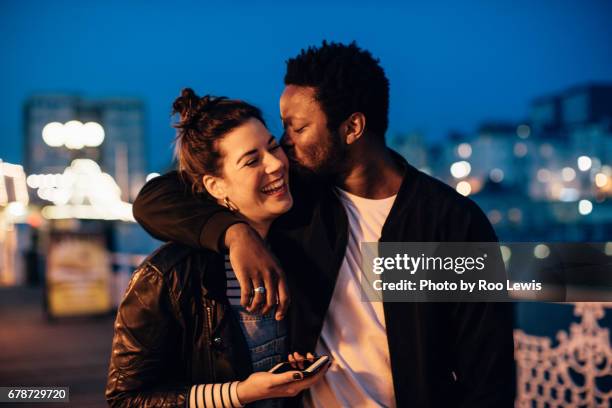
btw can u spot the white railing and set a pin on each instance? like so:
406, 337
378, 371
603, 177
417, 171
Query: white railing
566, 375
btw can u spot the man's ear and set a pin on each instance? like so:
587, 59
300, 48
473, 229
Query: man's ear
353, 127
215, 186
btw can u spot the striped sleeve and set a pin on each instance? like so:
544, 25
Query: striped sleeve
223, 395
233, 286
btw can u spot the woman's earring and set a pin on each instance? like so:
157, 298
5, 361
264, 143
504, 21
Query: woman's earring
232, 207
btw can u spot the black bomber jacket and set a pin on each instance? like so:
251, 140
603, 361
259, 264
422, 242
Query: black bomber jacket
172, 331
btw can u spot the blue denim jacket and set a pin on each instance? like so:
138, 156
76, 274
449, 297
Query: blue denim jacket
265, 337
267, 340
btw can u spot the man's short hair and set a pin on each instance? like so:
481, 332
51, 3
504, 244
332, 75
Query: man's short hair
347, 79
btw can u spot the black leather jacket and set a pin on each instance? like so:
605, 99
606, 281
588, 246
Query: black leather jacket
172, 331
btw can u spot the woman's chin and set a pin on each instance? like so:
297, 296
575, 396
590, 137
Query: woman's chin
284, 205
280, 206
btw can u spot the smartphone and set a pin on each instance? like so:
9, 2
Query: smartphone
310, 367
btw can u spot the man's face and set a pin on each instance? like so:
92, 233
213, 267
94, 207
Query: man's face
307, 140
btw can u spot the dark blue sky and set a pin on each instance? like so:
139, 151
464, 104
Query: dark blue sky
450, 65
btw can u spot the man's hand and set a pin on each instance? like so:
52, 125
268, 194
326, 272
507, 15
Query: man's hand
256, 267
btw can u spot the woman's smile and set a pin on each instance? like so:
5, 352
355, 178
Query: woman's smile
276, 188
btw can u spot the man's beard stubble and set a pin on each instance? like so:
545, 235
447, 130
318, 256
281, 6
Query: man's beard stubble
326, 161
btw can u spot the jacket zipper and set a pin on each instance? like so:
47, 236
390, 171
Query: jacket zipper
209, 315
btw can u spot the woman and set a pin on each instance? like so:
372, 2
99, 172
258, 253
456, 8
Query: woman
181, 336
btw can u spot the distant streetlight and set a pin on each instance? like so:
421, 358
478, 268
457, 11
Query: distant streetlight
464, 150
585, 207
496, 175
520, 149
515, 215
523, 131
53, 134
16, 209
73, 134
568, 174
464, 188
541, 251
506, 253
544, 175
460, 169
83, 190
494, 216
601, 180
93, 134
584, 163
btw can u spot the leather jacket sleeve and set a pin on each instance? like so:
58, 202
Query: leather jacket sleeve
167, 209
142, 347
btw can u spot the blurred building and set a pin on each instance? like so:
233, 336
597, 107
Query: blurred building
122, 154
412, 147
572, 131
586, 104
580, 116
38, 112
545, 116
547, 177
14, 200
493, 154
499, 154
587, 119
85, 160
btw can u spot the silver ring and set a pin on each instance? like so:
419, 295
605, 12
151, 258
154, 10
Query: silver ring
260, 289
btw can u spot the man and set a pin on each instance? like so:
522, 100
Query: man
350, 188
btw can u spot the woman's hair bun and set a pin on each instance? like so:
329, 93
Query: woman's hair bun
191, 107
186, 104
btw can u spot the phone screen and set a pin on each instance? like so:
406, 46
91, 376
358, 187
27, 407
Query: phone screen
310, 367
284, 367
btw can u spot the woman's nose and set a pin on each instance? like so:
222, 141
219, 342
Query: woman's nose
273, 164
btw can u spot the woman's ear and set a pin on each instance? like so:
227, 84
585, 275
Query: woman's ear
354, 127
215, 186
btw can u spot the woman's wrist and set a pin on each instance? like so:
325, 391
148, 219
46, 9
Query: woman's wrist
234, 394
242, 393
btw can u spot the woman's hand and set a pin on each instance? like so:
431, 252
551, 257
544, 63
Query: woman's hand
266, 385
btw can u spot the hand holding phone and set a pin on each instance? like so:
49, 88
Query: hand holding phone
308, 367
283, 380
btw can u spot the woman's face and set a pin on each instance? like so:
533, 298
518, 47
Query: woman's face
255, 173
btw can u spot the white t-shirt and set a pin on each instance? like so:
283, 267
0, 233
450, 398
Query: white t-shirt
354, 331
